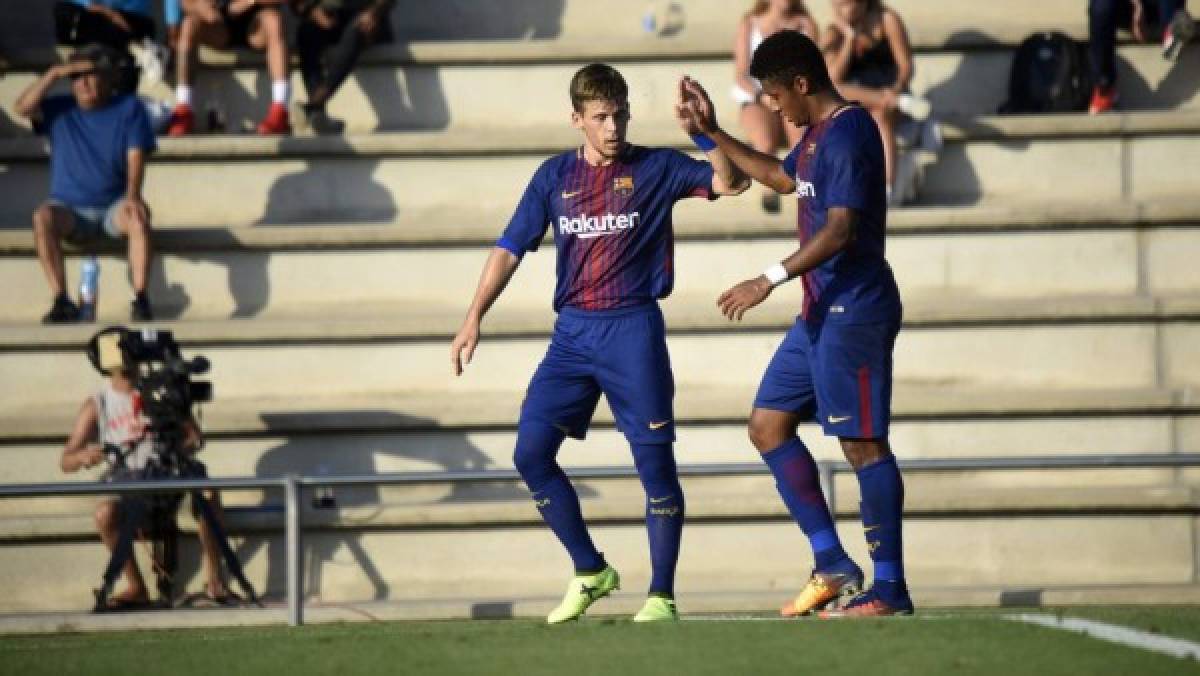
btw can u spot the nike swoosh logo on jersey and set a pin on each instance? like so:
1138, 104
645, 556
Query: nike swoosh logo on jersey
834, 420
568, 195
659, 425
659, 501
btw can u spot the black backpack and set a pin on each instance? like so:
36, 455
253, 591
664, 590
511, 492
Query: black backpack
1050, 74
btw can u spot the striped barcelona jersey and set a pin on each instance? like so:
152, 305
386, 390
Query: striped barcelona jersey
839, 163
612, 225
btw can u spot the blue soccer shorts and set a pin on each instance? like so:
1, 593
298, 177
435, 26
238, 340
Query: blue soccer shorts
620, 353
838, 374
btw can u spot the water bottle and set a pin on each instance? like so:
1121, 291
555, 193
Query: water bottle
89, 288
323, 497
663, 18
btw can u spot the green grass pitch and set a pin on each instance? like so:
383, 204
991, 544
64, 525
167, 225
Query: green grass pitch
935, 642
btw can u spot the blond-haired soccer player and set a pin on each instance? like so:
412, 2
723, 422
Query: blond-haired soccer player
609, 203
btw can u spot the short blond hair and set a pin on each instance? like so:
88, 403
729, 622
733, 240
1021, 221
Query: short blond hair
597, 82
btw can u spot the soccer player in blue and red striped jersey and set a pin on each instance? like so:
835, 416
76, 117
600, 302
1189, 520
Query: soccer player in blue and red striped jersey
609, 204
835, 364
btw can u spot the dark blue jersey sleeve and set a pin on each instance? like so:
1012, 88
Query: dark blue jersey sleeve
689, 177
789, 162
528, 224
139, 132
849, 170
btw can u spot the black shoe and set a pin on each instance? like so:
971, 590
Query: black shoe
139, 310
1179, 32
324, 125
62, 312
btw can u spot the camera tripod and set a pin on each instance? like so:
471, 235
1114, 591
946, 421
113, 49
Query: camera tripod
160, 510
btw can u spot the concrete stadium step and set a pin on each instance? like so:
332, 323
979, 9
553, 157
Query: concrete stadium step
386, 96
684, 314
424, 410
443, 564
317, 272
516, 30
378, 179
313, 444
1078, 355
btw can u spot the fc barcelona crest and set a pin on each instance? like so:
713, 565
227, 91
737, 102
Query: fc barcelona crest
623, 186
811, 150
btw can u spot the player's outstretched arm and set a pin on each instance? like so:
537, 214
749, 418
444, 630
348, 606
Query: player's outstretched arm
698, 109
825, 244
497, 272
728, 178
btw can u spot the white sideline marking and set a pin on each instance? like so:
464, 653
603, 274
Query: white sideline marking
1114, 633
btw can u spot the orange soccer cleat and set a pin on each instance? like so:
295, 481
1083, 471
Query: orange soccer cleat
869, 604
823, 589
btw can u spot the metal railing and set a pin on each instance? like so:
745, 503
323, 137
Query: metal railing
293, 486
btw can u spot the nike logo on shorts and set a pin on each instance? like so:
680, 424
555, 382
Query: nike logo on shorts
833, 420
659, 425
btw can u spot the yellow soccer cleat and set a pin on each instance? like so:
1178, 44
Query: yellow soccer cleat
657, 609
823, 589
582, 591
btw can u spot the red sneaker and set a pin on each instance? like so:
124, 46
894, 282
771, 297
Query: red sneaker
276, 121
1103, 100
182, 121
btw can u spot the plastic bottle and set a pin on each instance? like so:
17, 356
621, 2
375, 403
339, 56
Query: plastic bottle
663, 18
89, 288
323, 497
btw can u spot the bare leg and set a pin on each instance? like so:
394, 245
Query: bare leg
267, 33
762, 127
108, 522
765, 134
136, 228
210, 549
886, 119
50, 225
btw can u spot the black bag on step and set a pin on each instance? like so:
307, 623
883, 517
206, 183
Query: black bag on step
1050, 74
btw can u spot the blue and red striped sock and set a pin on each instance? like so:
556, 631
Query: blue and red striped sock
664, 512
555, 497
800, 487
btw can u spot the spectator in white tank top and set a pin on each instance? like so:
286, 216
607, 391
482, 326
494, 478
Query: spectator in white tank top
765, 129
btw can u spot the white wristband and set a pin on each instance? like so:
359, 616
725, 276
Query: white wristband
776, 274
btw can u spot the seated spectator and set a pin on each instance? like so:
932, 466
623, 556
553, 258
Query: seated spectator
116, 24
99, 142
1142, 18
113, 417
767, 131
332, 35
229, 24
870, 61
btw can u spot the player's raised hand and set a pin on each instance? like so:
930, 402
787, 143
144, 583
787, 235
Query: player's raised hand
464, 344
736, 301
701, 107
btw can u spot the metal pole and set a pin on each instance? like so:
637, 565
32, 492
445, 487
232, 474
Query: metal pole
825, 473
295, 567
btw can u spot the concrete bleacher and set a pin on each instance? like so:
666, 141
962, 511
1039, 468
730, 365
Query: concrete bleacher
1052, 308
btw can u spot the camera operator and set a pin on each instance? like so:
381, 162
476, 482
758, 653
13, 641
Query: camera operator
113, 419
